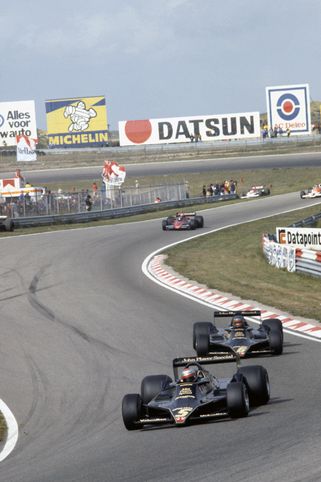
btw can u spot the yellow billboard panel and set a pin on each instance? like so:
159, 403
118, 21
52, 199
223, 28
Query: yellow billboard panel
79, 122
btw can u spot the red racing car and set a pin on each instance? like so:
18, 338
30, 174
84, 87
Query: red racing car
182, 221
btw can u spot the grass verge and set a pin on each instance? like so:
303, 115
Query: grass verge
232, 261
3, 428
282, 180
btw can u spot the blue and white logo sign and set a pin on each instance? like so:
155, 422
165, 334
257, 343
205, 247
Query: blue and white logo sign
288, 107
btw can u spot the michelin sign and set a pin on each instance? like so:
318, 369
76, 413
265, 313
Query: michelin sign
17, 119
78, 122
288, 107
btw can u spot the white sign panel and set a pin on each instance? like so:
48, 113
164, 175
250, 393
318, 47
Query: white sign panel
300, 237
189, 129
16, 119
26, 148
288, 107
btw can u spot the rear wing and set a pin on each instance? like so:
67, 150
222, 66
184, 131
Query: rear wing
185, 214
225, 314
222, 357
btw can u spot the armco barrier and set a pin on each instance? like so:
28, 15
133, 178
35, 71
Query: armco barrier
86, 217
302, 260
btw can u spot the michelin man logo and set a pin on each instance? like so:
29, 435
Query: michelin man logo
79, 116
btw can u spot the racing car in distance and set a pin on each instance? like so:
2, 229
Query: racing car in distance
256, 191
311, 192
195, 394
238, 337
182, 221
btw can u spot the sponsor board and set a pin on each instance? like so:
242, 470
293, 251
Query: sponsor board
16, 119
26, 148
78, 122
288, 107
184, 129
299, 237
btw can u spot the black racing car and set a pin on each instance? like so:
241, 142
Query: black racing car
164, 401
182, 221
238, 337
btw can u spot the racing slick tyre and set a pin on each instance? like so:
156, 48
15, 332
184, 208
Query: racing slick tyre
193, 224
202, 344
266, 191
164, 224
302, 194
201, 328
237, 396
276, 342
257, 381
132, 411
200, 221
273, 324
152, 385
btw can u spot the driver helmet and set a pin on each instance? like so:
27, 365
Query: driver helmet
189, 374
238, 321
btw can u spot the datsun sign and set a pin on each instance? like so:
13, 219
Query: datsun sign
184, 129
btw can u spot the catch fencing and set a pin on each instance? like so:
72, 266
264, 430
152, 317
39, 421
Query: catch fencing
302, 260
61, 203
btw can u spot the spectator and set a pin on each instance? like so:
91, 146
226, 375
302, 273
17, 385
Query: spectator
88, 202
204, 190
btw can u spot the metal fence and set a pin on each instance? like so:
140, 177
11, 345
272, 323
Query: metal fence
57, 203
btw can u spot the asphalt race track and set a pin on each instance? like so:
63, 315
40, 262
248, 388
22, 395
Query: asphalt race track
304, 159
81, 326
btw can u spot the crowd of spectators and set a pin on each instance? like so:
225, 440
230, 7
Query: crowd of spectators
219, 188
276, 131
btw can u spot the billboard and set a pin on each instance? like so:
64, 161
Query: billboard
77, 122
186, 129
288, 107
17, 118
300, 237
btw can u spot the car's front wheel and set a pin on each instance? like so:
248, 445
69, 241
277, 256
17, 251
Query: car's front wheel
152, 385
132, 411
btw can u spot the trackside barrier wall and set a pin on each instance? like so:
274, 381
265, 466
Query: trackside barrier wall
86, 217
302, 260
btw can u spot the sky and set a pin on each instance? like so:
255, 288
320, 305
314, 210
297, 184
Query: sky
158, 58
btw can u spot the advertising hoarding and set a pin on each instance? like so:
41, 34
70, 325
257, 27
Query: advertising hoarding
300, 237
77, 122
288, 107
186, 129
17, 118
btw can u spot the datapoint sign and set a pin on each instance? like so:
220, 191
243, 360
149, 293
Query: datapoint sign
184, 129
288, 107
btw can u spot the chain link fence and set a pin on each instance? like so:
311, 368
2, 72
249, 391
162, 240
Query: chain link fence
55, 203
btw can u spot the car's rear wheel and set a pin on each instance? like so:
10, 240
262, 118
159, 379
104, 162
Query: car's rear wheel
201, 328
152, 385
266, 191
164, 224
200, 221
238, 404
257, 380
202, 344
132, 411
